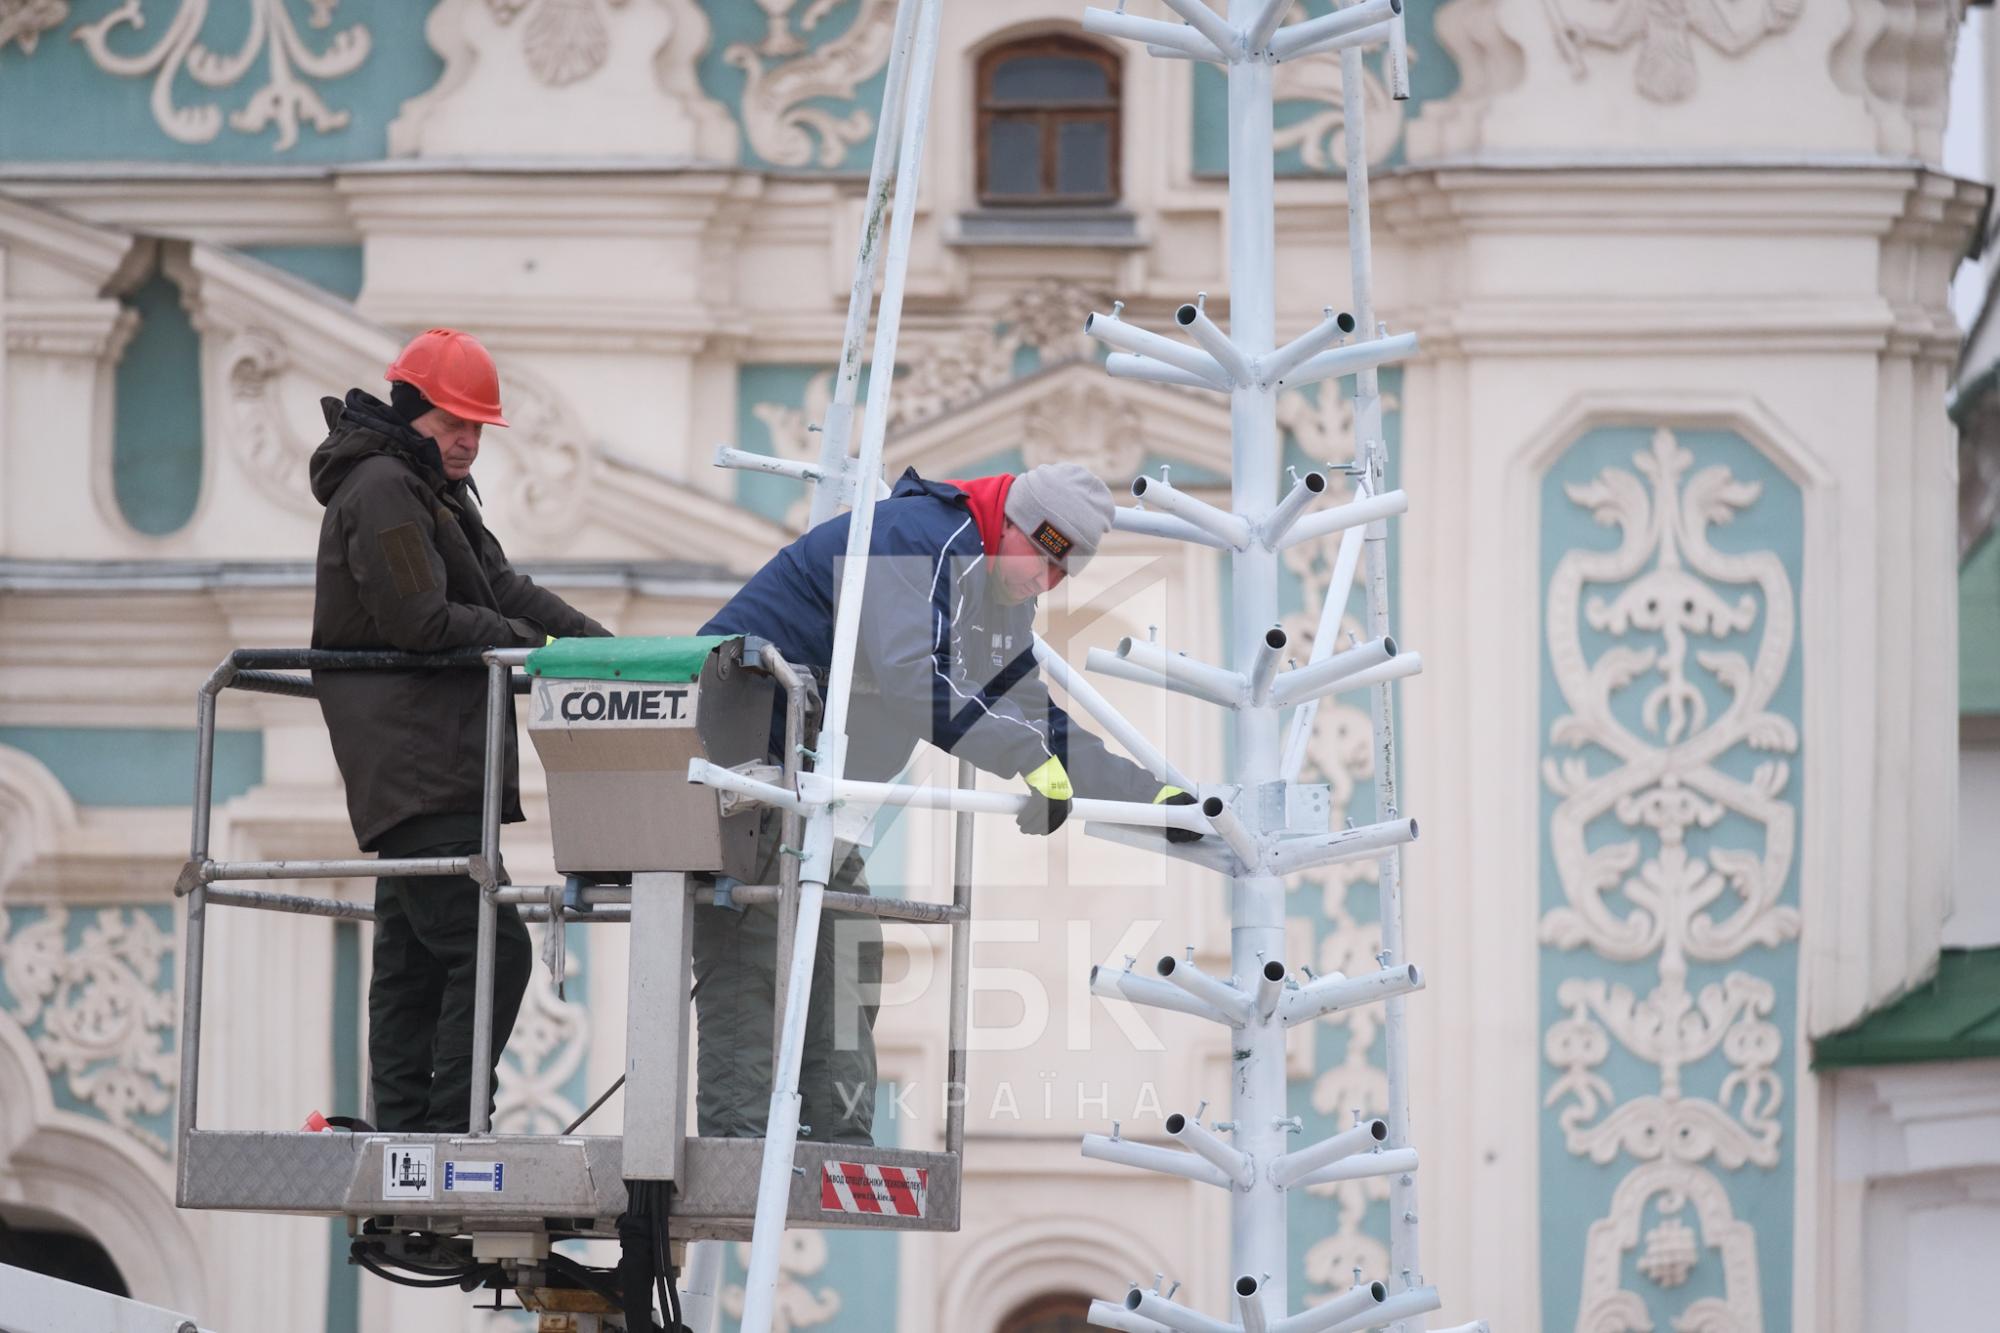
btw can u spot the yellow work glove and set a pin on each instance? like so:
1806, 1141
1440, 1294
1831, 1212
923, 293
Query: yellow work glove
1048, 807
1175, 796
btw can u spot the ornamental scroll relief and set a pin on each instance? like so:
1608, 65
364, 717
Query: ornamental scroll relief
1651, 874
784, 82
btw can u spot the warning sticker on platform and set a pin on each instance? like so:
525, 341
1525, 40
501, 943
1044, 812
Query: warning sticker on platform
473, 1177
407, 1170
883, 1191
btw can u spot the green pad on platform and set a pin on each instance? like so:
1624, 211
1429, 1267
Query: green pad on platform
677, 660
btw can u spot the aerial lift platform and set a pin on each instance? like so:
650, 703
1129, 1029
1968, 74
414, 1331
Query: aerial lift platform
618, 724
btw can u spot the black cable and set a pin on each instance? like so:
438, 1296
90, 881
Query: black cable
367, 1261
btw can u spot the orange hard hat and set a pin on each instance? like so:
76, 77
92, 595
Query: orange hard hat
455, 371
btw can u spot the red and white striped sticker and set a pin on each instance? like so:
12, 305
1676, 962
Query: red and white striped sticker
885, 1191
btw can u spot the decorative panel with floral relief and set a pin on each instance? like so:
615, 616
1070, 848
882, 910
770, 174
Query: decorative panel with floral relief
1670, 777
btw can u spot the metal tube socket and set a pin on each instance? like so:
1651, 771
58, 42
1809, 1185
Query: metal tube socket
1113, 984
1330, 673
1131, 338
1330, 996
1364, 1300
1279, 521
1128, 519
1403, 1305
1180, 672
1232, 830
1231, 528
1300, 37
1215, 342
1152, 1305
1232, 1003
1151, 1157
1294, 854
1364, 1137
1210, 24
1270, 988
1350, 360
1197, 1136
1112, 1315
1133, 366
1265, 666
1174, 36
1365, 1166
1311, 343
1353, 514
1250, 1305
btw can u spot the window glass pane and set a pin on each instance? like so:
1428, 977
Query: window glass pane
1050, 79
1013, 157
1083, 157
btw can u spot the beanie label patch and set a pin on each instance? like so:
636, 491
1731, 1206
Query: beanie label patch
1051, 540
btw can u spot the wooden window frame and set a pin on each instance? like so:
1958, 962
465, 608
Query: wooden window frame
1048, 117
1045, 1307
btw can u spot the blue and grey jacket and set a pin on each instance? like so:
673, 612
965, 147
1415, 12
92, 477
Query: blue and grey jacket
949, 662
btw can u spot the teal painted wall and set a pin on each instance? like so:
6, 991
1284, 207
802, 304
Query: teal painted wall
1979, 629
335, 268
156, 453
145, 766
58, 104
739, 29
1677, 837
1312, 114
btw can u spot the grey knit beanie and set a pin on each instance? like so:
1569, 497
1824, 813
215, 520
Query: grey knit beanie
1064, 509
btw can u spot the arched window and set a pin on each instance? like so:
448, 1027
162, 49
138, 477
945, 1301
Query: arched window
1055, 1313
1048, 123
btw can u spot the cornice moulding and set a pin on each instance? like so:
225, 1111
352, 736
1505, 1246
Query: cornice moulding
221, 210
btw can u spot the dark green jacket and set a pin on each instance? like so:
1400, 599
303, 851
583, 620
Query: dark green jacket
406, 562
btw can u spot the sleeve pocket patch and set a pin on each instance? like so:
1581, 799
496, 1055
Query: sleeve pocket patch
408, 558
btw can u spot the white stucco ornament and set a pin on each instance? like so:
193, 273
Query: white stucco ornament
290, 64
97, 1012
780, 89
1665, 31
548, 1045
1606, 1307
796, 1306
24, 21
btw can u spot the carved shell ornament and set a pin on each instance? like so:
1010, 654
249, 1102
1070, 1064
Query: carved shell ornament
564, 40
1665, 31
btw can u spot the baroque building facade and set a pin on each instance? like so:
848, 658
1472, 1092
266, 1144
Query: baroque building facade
1680, 564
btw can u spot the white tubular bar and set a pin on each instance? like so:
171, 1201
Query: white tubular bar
1219, 684
999, 803
1353, 359
1215, 342
1264, 668
1328, 996
1365, 1166
1128, 519
1324, 637
1128, 985
1086, 696
745, 461
706, 774
1232, 1003
1232, 830
1399, 667
1294, 854
1399, 89
1131, 338
1363, 1299
1233, 529
1151, 1157
1250, 1305
1110, 1314
1175, 37
1270, 988
1353, 514
1174, 1315
1289, 42
1279, 521
1211, 25
1132, 366
1269, 16
1372, 35
1362, 1138
1403, 1305
1312, 342
1476, 1326
1329, 672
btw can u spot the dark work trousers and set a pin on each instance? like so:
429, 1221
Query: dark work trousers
420, 1002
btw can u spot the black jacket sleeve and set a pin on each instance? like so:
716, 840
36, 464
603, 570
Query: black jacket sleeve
399, 577
520, 595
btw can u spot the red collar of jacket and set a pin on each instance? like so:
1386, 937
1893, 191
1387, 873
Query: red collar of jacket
986, 497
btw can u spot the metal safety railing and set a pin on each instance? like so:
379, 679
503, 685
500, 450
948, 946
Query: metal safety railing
270, 671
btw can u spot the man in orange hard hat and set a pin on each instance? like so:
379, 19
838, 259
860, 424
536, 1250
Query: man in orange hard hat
406, 562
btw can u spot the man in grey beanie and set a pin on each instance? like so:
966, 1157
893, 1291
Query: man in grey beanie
947, 653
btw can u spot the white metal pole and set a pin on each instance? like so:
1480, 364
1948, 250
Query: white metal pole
838, 428
782, 1124
1405, 1258
1258, 1100
1086, 696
